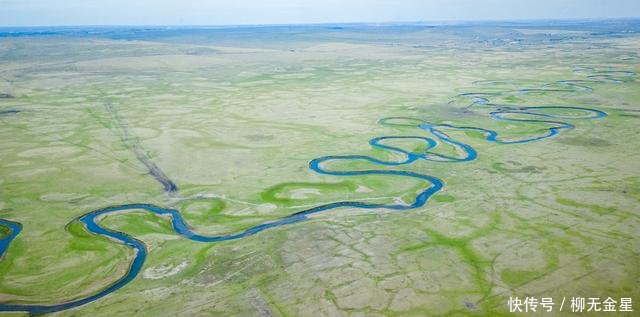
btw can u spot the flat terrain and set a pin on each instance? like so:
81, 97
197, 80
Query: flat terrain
221, 125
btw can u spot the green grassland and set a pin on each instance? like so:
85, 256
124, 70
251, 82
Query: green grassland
235, 127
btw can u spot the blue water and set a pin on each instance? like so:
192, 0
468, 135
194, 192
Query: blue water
534, 114
14, 230
493, 32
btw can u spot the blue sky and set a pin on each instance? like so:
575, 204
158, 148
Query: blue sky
217, 12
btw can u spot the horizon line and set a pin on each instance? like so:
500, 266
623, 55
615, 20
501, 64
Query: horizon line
372, 23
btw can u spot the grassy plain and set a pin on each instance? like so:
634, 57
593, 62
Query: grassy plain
234, 119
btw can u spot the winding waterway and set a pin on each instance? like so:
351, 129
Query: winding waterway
532, 114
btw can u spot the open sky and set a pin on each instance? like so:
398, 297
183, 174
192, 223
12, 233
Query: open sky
219, 12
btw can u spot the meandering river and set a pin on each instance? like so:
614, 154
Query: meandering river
546, 115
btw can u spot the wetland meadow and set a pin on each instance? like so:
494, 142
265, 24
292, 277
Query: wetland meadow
318, 170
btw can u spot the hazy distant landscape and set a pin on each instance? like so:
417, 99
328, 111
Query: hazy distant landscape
387, 169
